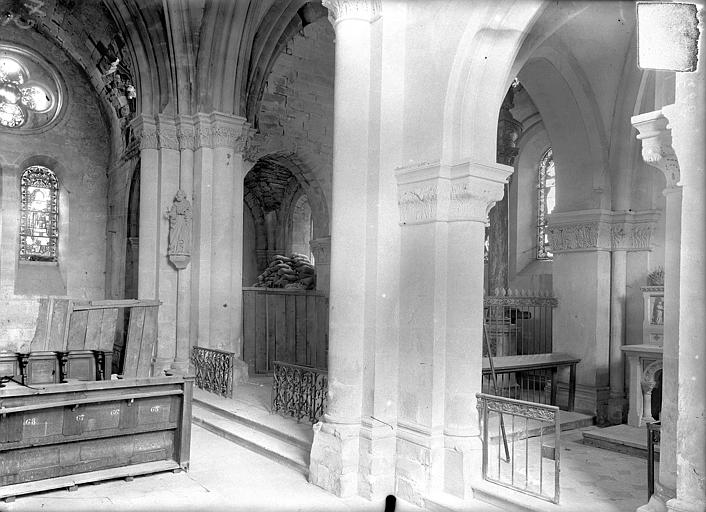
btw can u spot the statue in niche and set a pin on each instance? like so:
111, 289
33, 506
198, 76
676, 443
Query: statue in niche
658, 311
179, 215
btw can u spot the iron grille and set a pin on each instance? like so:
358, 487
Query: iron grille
214, 370
299, 391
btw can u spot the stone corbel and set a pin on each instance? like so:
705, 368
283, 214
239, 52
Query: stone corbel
466, 191
656, 136
339, 10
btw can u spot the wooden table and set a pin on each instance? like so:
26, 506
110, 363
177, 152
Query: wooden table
552, 361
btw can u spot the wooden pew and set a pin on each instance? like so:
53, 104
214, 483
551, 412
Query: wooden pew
72, 328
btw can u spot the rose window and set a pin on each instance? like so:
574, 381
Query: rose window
28, 90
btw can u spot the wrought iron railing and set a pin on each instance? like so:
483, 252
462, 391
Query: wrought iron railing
214, 370
519, 322
526, 436
654, 435
299, 391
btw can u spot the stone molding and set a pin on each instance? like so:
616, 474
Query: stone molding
215, 130
656, 136
321, 248
466, 191
420, 435
340, 10
595, 230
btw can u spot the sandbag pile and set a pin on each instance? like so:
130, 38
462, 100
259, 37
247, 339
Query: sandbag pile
295, 272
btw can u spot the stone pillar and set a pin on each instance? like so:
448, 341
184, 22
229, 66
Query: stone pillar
157, 279
335, 451
657, 151
443, 210
629, 232
581, 240
321, 249
186, 139
688, 122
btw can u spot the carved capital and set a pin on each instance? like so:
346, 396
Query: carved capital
585, 230
656, 136
339, 10
218, 130
321, 249
144, 131
632, 231
466, 191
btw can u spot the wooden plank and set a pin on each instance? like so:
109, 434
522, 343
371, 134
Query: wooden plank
260, 334
93, 329
312, 330
322, 339
290, 326
77, 330
41, 334
93, 476
300, 332
271, 330
58, 331
148, 343
249, 328
110, 304
134, 341
108, 326
183, 447
280, 326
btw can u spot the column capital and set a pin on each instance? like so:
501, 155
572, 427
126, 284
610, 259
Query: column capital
339, 10
219, 130
321, 248
465, 191
655, 133
632, 231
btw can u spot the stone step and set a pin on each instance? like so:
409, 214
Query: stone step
275, 446
620, 438
275, 427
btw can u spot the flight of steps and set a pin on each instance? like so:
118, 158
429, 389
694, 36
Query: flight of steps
279, 439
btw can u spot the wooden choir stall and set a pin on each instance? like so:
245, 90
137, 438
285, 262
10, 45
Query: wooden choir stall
64, 421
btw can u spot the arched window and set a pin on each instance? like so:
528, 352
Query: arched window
39, 195
546, 199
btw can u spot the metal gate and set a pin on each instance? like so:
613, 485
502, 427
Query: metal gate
521, 445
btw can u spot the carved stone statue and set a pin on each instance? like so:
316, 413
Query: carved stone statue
179, 215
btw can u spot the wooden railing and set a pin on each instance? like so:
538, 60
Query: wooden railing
284, 325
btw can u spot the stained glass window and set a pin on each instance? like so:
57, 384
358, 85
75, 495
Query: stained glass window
546, 199
18, 97
39, 193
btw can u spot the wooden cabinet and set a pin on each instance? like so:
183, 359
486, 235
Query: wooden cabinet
65, 434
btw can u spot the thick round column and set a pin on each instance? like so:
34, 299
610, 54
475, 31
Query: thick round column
688, 131
335, 451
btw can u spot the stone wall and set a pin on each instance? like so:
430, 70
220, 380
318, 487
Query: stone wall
77, 149
296, 112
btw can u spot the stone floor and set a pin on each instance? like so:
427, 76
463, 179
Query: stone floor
226, 477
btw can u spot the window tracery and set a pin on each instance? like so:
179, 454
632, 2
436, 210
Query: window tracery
546, 199
39, 196
19, 96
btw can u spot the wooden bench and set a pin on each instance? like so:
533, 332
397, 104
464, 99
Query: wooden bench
552, 361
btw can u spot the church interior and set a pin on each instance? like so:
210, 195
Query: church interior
435, 245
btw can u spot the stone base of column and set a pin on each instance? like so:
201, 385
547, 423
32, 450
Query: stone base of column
241, 371
617, 411
181, 368
160, 364
376, 470
420, 463
676, 505
462, 465
589, 399
658, 501
333, 464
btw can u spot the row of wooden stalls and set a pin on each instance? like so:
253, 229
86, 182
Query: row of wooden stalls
64, 421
